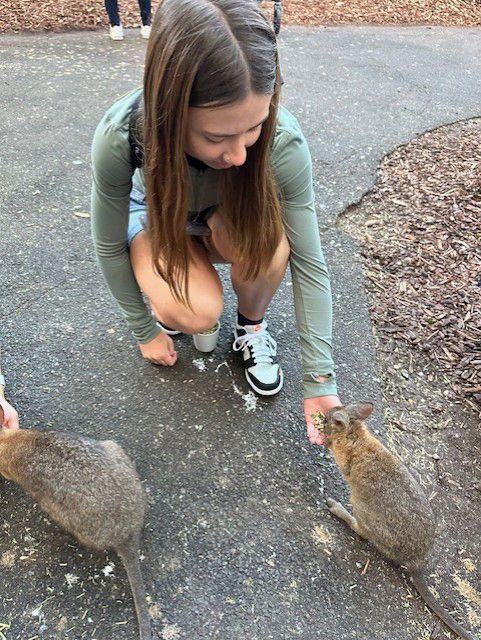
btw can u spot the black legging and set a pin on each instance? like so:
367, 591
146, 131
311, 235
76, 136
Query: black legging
113, 11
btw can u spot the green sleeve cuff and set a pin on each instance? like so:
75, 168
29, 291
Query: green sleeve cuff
314, 389
148, 334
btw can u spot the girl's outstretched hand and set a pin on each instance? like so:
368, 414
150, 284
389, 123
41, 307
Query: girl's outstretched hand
315, 405
160, 350
8, 415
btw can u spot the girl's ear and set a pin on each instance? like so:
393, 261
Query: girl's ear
360, 410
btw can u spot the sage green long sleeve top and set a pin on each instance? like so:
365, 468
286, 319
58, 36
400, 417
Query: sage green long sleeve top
113, 178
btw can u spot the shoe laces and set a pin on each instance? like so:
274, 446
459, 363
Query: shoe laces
261, 344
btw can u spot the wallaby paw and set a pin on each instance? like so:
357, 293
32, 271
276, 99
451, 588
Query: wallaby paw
330, 502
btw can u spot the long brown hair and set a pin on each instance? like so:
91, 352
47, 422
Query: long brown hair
209, 53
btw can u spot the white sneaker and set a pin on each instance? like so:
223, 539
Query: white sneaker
169, 332
145, 31
116, 32
259, 352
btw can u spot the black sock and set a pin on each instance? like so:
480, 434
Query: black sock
242, 320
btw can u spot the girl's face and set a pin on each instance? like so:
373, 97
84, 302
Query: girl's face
220, 136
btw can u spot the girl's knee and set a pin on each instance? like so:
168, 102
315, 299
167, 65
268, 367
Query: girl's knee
202, 317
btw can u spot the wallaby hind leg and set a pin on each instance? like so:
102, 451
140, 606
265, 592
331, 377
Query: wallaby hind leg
338, 510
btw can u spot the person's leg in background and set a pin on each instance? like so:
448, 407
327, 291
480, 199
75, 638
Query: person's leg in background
116, 32
145, 17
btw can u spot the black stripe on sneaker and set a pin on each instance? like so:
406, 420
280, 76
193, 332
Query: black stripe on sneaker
261, 386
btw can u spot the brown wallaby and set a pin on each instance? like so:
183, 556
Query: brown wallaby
89, 487
389, 507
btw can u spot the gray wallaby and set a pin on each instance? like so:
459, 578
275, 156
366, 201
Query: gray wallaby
89, 487
390, 509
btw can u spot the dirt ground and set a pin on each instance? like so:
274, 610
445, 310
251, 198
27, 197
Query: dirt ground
420, 240
419, 232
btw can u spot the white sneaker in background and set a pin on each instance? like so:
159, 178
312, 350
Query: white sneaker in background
116, 32
145, 31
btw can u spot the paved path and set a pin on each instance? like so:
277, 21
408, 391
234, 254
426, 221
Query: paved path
238, 543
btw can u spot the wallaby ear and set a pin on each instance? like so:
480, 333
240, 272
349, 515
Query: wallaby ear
2, 416
360, 410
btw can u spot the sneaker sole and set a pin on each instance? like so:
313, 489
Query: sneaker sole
265, 392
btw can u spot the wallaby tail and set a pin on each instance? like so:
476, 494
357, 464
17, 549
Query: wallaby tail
420, 583
129, 554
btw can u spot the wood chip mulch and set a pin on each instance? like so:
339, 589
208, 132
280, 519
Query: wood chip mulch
58, 15
394, 12
421, 243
